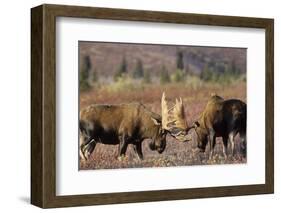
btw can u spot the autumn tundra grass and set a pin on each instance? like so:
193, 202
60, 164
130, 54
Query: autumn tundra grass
195, 97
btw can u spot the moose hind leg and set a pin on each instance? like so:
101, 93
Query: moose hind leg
82, 156
243, 144
89, 149
83, 142
224, 149
138, 150
231, 140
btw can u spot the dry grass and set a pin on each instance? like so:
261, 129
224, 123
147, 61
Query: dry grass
176, 153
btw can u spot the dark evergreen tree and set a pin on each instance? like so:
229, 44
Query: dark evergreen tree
122, 69
85, 73
180, 63
206, 74
147, 77
164, 75
138, 72
94, 76
187, 69
234, 69
87, 63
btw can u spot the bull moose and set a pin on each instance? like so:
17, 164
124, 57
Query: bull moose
122, 125
221, 118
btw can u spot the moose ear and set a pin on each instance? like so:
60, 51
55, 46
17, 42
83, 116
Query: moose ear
156, 122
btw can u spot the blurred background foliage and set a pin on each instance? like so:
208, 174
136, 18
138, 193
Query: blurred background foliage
132, 66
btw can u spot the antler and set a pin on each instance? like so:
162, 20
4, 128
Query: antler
179, 115
176, 117
175, 121
165, 113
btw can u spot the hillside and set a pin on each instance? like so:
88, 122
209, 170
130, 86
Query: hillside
106, 57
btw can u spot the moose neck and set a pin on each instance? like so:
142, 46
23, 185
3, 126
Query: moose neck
152, 131
202, 126
149, 128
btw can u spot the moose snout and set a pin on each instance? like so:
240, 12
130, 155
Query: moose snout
160, 150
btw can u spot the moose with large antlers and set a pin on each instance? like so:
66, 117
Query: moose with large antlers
220, 118
126, 124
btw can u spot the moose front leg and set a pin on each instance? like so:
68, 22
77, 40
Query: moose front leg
212, 143
123, 146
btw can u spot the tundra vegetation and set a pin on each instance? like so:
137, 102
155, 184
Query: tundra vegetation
115, 74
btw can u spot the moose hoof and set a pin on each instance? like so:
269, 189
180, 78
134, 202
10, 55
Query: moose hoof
83, 157
121, 158
140, 158
225, 156
210, 158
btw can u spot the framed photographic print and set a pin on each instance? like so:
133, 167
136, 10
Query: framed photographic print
136, 106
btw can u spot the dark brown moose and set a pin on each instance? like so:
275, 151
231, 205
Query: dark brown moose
221, 118
122, 125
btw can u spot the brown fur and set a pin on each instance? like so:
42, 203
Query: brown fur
221, 118
120, 124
